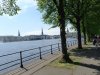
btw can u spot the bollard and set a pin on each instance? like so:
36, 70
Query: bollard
21, 61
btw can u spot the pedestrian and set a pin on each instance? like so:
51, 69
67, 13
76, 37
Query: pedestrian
97, 41
94, 40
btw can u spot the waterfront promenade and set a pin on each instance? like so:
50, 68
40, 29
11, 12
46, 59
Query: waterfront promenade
89, 65
35, 65
21, 53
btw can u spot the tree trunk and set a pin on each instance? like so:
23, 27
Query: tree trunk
79, 33
89, 38
61, 13
78, 21
84, 33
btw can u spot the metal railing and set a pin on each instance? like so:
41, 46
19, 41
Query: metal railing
39, 53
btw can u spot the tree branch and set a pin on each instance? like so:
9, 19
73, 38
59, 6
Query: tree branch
55, 2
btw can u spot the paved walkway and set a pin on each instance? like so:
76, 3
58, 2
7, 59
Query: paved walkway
83, 69
90, 65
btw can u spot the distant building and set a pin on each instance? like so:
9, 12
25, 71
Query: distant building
10, 38
71, 34
43, 36
27, 38
54, 36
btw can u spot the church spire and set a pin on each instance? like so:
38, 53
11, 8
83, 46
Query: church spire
18, 33
42, 32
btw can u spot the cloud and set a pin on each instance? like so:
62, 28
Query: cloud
27, 3
54, 31
32, 33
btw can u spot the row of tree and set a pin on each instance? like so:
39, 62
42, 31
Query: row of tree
83, 14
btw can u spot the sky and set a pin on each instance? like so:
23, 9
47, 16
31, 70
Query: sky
29, 21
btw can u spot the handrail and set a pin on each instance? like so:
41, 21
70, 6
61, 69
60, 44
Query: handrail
39, 54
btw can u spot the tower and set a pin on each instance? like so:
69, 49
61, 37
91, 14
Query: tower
18, 33
42, 32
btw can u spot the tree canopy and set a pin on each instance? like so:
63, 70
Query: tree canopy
83, 14
54, 13
9, 7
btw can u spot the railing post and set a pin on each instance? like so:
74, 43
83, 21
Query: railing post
67, 44
21, 61
58, 47
71, 43
51, 50
40, 53
76, 41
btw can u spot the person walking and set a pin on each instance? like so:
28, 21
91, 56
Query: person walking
97, 41
94, 40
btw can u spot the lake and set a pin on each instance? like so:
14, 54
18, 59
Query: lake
11, 47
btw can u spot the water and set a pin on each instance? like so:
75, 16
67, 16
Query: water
12, 47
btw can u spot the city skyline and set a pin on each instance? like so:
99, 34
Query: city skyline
29, 21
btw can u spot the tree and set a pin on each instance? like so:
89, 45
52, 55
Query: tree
78, 10
54, 13
92, 19
9, 7
76, 13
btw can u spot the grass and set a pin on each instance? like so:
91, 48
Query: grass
75, 58
57, 64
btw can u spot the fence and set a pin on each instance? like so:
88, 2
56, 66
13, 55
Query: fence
19, 58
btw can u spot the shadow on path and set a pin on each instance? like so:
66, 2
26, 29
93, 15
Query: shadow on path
88, 65
88, 52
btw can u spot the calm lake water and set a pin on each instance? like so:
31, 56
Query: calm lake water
11, 47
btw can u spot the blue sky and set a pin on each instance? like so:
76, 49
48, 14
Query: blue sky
28, 21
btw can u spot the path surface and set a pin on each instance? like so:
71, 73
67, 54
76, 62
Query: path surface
84, 69
90, 65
